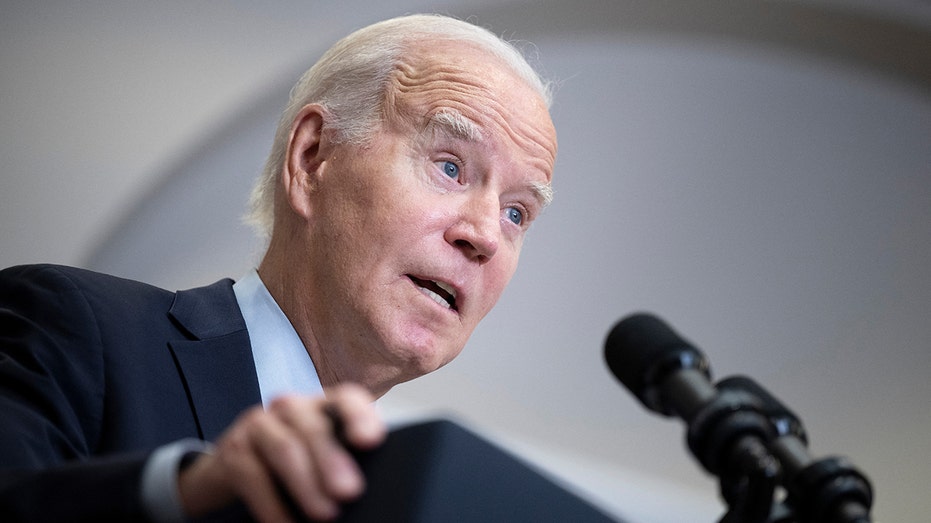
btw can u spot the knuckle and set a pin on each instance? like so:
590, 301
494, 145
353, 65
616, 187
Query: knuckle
284, 451
251, 418
283, 404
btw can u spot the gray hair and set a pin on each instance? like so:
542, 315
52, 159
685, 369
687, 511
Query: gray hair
350, 81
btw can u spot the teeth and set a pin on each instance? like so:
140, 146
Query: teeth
446, 287
436, 297
442, 293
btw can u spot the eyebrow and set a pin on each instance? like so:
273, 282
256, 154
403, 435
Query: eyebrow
454, 124
543, 192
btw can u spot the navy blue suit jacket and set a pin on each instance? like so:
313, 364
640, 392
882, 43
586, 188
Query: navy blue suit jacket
96, 372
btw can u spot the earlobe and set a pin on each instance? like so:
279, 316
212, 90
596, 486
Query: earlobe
304, 159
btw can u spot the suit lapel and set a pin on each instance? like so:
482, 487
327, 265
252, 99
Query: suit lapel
217, 365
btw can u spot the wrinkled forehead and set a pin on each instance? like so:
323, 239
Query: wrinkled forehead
479, 89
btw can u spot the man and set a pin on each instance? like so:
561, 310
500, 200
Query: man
405, 172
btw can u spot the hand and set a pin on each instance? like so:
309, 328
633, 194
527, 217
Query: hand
292, 444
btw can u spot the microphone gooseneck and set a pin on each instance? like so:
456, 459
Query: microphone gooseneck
826, 489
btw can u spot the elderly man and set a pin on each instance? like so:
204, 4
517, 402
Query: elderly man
405, 172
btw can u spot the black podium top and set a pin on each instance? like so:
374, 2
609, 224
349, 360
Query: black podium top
437, 471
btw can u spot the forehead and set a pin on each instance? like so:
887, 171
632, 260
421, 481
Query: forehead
450, 77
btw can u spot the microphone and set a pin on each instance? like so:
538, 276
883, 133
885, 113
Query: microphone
737, 430
668, 374
726, 432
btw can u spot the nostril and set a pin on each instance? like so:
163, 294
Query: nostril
471, 250
474, 243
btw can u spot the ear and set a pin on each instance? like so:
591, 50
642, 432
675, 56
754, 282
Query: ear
304, 159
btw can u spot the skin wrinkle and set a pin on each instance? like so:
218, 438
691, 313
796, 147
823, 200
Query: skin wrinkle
454, 124
525, 136
410, 82
456, 127
449, 79
445, 77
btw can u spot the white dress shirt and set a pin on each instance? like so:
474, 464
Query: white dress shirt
281, 361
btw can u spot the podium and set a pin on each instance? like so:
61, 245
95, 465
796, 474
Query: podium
437, 471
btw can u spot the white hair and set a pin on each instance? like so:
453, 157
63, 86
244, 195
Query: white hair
351, 79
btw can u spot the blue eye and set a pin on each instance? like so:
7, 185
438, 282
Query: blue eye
514, 215
451, 169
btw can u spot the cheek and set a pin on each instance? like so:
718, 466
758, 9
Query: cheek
497, 275
413, 216
371, 223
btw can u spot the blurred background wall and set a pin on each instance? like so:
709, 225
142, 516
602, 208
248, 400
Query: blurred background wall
758, 173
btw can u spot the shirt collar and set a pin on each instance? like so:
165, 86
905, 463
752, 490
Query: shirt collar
281, 361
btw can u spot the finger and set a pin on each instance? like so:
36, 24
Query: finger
259, 493
245, 467
282, 444
333, 468
233, 470
360, 423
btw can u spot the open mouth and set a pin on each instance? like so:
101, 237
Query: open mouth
440, 292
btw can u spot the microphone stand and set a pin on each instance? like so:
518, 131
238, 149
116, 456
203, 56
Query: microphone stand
750, 485
728, 436
827, 490
756, 447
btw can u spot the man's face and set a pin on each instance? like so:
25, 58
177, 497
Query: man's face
416, 234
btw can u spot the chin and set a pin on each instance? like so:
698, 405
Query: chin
423, 358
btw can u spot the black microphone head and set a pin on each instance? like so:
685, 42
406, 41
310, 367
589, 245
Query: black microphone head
642, 350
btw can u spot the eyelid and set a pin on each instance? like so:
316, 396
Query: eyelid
450, 157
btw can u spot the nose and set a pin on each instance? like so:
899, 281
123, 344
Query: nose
477, 230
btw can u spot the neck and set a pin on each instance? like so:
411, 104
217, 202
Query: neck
293, 291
